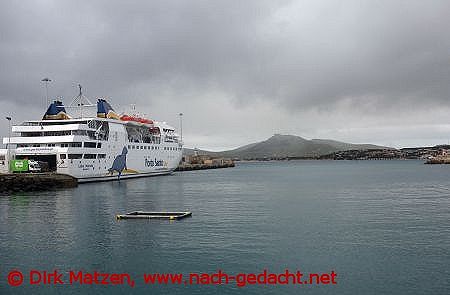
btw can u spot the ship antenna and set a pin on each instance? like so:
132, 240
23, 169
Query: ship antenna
81, 93
80, 101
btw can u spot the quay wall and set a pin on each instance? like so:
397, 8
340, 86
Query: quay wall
13, 182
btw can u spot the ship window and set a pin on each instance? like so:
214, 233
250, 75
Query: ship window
59, 122
99, 145
90, 156
75, 156
79, 132
75, 144
129, 147
91, 134
30, 134
101, 156
90, 145
56, 133
62, 156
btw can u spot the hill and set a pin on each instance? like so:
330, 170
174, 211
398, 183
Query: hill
282, 146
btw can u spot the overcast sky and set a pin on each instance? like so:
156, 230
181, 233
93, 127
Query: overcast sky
240, 71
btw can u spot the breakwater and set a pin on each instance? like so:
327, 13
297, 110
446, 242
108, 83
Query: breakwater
202, 162
438, 161
15, 182
189, 167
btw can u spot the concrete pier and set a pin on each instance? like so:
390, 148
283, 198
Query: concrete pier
15, 182
201, 162
189, 167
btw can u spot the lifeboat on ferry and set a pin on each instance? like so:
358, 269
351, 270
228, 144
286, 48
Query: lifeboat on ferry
145, 121
135, 119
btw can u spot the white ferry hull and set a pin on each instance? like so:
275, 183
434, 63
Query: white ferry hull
98, 149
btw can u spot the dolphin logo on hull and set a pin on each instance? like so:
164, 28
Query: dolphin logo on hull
120, 163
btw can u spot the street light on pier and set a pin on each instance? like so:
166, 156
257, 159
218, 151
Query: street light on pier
46, 80
9, 140
181, 127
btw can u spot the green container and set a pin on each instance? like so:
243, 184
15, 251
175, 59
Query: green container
18, 165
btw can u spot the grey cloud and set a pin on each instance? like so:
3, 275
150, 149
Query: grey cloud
320, 53
298, 55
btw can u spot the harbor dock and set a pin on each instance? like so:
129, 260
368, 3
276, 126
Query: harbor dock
16, 182
201, 162
189, 167
438, 161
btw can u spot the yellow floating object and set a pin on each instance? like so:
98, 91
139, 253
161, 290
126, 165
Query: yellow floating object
154, 215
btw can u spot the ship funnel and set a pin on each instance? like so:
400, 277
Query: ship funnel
104, 110
56, 111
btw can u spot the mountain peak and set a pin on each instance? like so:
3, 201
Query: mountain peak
278, 136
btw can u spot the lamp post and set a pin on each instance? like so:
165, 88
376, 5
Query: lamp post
181, 127
46, 80
9, 140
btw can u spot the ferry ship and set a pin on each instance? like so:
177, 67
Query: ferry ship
105, 146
